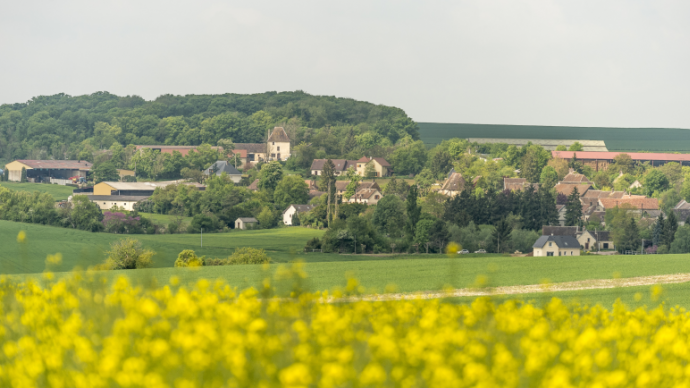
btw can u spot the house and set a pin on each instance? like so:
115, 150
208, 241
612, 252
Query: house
340, 166
635, 185
453, 185
640, 205
682, 212
596, 240
369, 196
517, 184
38, 171
292, 209
277, 147
137, 188
379, 166
567, 188
106, 202
575, 178
556, 246
254, 186
246, 223
220, 167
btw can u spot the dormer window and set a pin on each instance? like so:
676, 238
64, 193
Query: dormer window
550, 243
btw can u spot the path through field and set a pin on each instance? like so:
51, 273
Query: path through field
591, 284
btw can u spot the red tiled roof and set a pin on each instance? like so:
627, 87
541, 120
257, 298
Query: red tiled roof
567, 188
363, 159
57, 164
574, 177
382, 162
610, 155
637, 203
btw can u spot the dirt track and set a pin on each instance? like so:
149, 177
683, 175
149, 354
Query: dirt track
592, 284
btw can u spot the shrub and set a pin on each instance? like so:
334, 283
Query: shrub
188, 258
128, 254
208, 222
246, 255
314, 243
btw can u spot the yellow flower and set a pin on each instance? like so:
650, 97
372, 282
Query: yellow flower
21, 237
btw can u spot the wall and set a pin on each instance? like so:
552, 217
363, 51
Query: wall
105, 205
102, 189
284, 150
287, 216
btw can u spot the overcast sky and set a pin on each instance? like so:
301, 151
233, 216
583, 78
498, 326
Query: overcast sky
576, 62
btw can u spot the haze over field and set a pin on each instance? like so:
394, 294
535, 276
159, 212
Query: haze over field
537, 62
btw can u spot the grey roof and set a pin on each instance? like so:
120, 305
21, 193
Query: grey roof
255, 148
279, 135
300, 208
559, 230
221, 167
602, 235
561, 242
128, 198
57, 164
247, 219
339, 164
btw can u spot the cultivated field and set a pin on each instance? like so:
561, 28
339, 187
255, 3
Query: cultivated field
617, 139
60, 193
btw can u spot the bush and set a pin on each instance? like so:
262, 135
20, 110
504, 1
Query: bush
188, 258
128, 254
314, 243
209, 222
243, 255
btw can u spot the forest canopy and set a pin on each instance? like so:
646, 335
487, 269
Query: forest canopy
67, 127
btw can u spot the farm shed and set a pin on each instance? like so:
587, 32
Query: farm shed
137, 188
601, 160
105, 202
44, 170
548, 144
246, 223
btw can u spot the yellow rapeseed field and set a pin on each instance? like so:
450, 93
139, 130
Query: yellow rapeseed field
82, 332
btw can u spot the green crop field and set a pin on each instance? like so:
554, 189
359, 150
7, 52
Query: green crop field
617, 139
60, 193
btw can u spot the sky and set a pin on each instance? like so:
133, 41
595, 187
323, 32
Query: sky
621, 63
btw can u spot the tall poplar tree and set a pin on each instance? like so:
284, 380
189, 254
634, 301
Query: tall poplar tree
414, 212
328, 183
573, 209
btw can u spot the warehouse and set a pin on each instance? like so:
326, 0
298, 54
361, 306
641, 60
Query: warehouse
601, 160
48, 171
137, 189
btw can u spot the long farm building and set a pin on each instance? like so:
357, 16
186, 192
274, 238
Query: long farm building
602, 160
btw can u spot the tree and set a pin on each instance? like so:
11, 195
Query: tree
561, 167
439, 235
291, 190
270, 175
441, 163
192, 174
85, 215
23, 178
188, 258
389, 215
573, 209
6, 175
577, 146
658, 230
561, 148
266, 218
631, 236
655, 181
548, 177
501, 235
681, 240
354, 178
370, 170
421, 234
409, 159
328, 184
128, 254
295, 219
414, 212
529, 167
105, 172
622, 163
670, 228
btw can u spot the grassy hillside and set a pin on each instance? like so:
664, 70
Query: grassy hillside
165, 219
80, 248
60, 193
617, 139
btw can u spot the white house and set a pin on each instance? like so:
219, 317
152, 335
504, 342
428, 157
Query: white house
106, 202
292, 209
556, 246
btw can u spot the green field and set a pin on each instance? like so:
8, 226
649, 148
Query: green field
60, 193
617, 139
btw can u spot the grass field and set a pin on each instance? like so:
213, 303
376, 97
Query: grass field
617, 139
60, 193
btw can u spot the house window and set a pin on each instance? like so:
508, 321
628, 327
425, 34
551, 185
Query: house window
274, 143
606, 245
587, 240
559, 253
550, 243
376, 197
549, 253
278, 148
571, 253
279, 155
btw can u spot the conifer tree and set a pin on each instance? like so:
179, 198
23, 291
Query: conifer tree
658, 232
414, 212
573, 209
670, 228
501, 235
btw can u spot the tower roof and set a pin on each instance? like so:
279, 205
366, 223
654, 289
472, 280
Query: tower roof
279, 135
